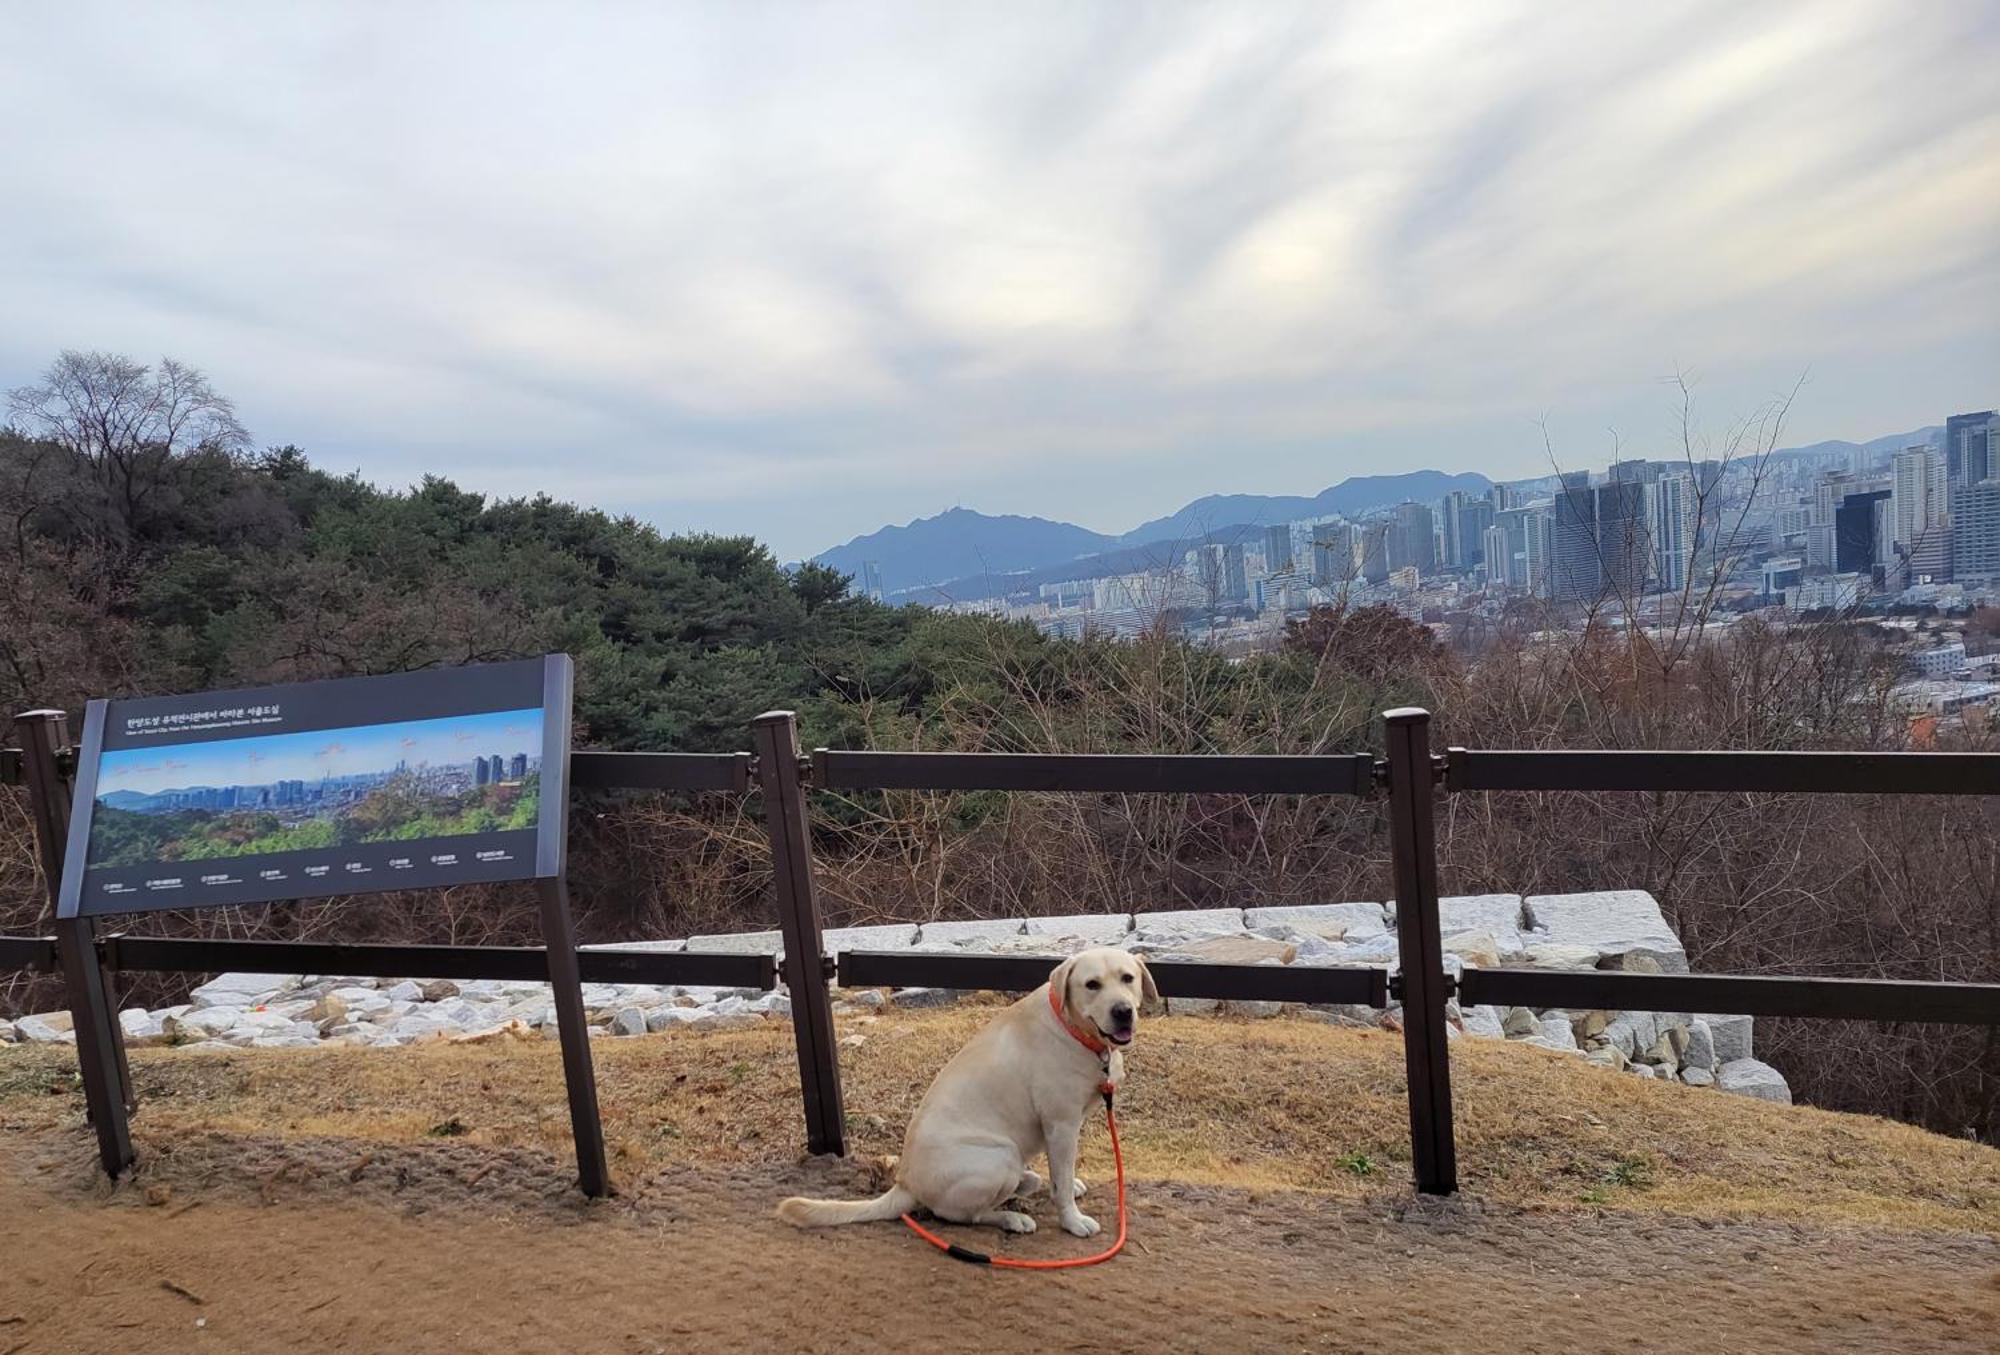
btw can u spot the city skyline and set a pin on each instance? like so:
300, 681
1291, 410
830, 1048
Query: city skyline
1910, 521
314, 755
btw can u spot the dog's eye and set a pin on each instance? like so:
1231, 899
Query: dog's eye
1093, 985
1124, 978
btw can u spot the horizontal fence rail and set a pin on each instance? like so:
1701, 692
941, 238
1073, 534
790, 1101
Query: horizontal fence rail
1746, 995
528, 963
1175, 978
1823, 773
1133, 773
28, 952
659, 771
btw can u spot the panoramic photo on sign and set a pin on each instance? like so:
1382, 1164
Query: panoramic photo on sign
407, 781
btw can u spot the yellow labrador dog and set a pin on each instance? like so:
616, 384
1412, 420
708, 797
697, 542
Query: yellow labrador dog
1021, 1087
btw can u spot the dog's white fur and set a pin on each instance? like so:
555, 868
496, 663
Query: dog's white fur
1020, 1087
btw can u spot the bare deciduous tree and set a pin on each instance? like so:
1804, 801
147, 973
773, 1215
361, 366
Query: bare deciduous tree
128, 422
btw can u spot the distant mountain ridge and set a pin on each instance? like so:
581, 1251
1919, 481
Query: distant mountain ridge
1356, 494
965, 554
962, 544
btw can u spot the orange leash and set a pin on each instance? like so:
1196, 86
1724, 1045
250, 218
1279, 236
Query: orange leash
980, 1258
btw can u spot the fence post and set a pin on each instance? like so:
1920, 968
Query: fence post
805, 967
100, 1043
1413, 842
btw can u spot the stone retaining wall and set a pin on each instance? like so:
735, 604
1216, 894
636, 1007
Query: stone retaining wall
1621, 929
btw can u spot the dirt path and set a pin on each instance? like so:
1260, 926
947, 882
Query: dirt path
312, 1244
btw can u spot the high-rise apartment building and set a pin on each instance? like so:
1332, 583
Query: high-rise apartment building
1969, 448
1576, 574
1855, 550
1333, 561
1496, 553
1412, 540
1235, 573
1920, 496
1278, 549
1375, 552
1670, 529
1621, 538
1464, 522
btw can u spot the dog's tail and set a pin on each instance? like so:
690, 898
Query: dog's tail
804, 1213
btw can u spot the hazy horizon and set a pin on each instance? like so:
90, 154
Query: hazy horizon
802, 273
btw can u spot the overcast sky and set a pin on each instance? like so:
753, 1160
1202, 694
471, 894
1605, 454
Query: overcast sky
800, 270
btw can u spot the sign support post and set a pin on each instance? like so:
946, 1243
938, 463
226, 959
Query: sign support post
100, 1043
572, 1025
559, 932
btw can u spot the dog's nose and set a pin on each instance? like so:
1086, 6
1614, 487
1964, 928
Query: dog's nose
1122, 1013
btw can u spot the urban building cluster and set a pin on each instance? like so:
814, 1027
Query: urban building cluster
1643, 542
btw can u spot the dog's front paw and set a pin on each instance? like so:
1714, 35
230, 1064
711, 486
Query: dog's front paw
1012, 1221
1077, 1188
1081, 1225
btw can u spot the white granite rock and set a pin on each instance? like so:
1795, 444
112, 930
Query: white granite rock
629, 1021
666, 1018
1731, 1035
1498, 915
737, 943
1698, 1077
924, 997
888, 936
203, 1023
1750, 1077
1480, 950
1189, 922
958, 933
1555, 1032
1483, 1021
1332, 921
1550, 955
1376, 950
1612, 922
360, 1001
45, 1028
1699, 1051
1095, 929
240, 990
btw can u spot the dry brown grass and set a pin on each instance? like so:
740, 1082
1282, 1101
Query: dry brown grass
1271, 1104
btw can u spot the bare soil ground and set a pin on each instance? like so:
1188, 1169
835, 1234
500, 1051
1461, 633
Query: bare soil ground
364, 1200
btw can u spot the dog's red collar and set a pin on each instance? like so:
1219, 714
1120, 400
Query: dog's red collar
1090, 1040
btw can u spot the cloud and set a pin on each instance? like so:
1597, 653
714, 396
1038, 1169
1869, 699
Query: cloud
799, 271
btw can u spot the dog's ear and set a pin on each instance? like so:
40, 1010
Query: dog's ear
1060, 986
1148, 990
